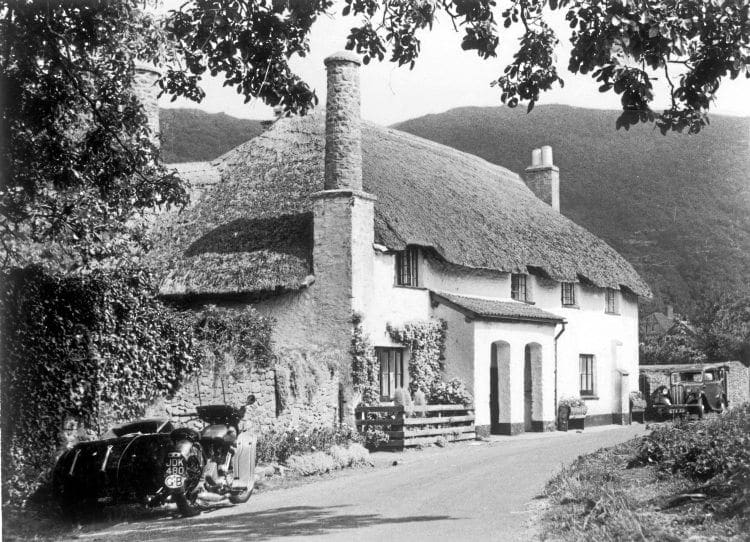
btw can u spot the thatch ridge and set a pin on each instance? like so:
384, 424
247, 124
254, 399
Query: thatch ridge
470, 212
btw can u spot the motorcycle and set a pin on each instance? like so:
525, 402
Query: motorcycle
153, 462
213, 465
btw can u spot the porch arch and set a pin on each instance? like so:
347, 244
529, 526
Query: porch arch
499, 387
534, 388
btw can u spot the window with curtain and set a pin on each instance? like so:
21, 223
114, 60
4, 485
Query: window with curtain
391, 361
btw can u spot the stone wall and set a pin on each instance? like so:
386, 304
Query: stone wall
314, 405
145, 89
738, 379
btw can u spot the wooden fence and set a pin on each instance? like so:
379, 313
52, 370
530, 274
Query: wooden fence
421, 425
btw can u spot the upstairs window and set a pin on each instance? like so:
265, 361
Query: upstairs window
407, 273
391, 361
610, 297
586, 368
518, 287
568, 294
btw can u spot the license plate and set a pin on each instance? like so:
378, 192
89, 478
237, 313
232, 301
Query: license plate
174, 481
175, 471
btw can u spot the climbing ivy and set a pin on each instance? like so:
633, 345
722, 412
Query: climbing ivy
426, 341
97, 348
364, 364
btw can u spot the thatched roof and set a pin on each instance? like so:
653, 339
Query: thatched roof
251, 231
495, 309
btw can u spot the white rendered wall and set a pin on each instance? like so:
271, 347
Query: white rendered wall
518, 335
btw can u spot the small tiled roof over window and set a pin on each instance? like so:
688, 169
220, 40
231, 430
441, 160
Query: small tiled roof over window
495, 309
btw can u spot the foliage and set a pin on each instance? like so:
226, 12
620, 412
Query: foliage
452, 392
192, 135
573, 402
728, 333
426, 341
637, 401
96, 347
621, 44
364, 371
701, 450
77, 156
338, 457
679, 345
280, 444
375, 437
601, 496
237, 335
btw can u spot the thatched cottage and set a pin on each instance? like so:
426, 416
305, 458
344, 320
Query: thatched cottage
324, 216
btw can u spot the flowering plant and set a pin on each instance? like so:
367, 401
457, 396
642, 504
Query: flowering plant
574, 402
637, 400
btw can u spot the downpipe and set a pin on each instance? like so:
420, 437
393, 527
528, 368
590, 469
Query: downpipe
557, 337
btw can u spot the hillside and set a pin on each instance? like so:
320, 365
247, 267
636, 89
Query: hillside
190, 135
677, 207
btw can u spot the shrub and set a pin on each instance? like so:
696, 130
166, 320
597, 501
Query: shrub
426, 341
364, 364
441, 441
573, 402
452, 392
338, 457
279, 445
637, 401
375, 437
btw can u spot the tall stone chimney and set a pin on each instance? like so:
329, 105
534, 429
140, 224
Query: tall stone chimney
147, 92
543, 177
343, 163
343, 223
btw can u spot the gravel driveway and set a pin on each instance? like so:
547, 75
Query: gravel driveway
480, 491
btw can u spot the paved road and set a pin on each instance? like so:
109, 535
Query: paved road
463, 492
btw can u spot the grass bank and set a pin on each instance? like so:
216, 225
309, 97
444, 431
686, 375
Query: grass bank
690, 479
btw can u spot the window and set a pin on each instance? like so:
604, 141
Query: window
586, 367
406, 267
518, 289
568, 293
391, 361
610, 297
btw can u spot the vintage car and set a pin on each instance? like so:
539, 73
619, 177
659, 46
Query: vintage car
692, 391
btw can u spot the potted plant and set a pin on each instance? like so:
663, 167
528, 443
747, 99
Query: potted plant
637, 406
577, 408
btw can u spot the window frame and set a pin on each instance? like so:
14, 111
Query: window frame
398, 380
587, 375
571, 298
515, 287
407, 268
611, 308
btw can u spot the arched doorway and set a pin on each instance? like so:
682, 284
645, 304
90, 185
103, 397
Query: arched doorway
499, 364
532, 369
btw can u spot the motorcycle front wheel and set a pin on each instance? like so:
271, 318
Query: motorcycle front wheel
185, 500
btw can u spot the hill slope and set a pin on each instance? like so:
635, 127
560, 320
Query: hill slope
190, 135
677, 206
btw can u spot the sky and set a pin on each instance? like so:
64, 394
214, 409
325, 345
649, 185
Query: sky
444, 77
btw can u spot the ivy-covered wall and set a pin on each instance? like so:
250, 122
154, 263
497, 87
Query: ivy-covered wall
80, 350
426, 342
292, 386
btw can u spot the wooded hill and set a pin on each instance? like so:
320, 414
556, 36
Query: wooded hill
677, 206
